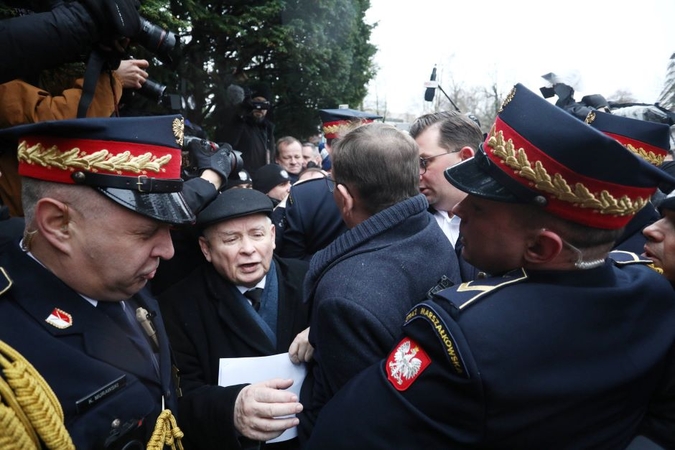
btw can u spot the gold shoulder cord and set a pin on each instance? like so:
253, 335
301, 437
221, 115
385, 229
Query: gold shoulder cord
656, 269
29, 410
166, 433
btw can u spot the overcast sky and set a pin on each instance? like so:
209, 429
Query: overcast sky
608, 45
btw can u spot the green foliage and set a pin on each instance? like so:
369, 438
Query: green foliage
312, 53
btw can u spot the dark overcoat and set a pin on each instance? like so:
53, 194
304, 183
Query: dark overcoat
205, 323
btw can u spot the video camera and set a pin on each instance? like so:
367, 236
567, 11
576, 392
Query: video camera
566, 99
253, 105
200, 154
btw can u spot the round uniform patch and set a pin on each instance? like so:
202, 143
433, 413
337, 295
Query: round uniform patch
406, 363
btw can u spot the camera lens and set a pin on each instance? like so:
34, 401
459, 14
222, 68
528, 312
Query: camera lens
155, 39
152, 90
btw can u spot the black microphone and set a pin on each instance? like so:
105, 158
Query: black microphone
431, 91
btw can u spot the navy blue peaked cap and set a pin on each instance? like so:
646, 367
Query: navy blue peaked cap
649, 140
134, 161
538, 153
334, 119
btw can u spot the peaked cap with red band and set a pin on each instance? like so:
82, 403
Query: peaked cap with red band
134, 161
649, 140
334, 120
537, 153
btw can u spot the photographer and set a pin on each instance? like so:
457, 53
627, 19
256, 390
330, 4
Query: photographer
24, 103
45, 34
248, 127
43, 68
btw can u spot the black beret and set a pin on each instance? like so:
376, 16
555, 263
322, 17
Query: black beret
268, 177
239, 178
234, 203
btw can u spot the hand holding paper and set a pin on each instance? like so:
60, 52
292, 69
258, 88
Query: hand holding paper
260, 406
264, 410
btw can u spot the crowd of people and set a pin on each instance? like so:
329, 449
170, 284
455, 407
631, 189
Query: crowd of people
438, 288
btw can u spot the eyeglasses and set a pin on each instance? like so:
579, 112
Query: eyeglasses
424, 162
330, 183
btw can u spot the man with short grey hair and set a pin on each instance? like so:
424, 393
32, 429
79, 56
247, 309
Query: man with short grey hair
361, 284
310, 154
245, 303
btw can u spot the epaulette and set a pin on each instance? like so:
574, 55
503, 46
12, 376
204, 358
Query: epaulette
5, 281
623, 258
465, 294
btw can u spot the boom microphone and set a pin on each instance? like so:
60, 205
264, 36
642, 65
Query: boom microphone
431, 90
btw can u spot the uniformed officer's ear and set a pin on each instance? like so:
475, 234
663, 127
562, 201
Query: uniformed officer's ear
544, 247
466, 153
51, 220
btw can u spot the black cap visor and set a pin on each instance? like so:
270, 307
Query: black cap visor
168, 207
667, 203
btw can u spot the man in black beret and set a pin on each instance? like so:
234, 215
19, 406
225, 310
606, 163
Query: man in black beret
239, 180
275, 181
245, 303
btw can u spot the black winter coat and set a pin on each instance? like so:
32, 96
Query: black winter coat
205, 323
45, 40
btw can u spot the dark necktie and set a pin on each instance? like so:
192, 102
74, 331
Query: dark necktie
254, 295
115, 311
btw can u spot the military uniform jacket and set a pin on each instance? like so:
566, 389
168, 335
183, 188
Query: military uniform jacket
532, 360
99, 376
205, 323
313, 220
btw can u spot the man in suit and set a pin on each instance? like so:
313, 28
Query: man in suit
99, 196
214, 313
445, 138
562, 347
361, 284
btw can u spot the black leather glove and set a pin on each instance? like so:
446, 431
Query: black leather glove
115, 17
207, 155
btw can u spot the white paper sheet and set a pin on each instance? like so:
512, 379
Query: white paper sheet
253, 370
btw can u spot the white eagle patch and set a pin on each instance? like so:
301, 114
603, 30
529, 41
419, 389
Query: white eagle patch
406, 363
